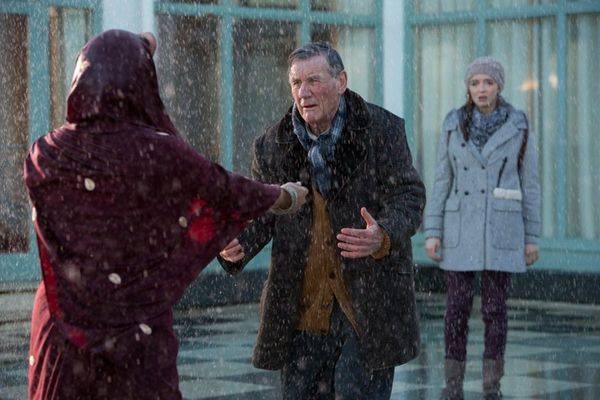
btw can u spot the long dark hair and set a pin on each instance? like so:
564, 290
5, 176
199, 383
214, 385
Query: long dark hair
465, 114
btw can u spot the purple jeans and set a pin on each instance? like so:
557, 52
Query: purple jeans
494, 292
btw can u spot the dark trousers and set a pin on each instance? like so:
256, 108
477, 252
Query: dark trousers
331, 366
494, 292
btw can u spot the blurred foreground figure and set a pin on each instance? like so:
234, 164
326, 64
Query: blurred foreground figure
484, 216
338, 308
126, 215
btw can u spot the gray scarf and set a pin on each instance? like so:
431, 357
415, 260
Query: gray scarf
483, 126
321, 151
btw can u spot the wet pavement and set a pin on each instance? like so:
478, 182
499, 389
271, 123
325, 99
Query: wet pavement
553, 352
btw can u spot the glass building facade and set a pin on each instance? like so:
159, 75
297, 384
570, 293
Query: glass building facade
550, 50
223, 75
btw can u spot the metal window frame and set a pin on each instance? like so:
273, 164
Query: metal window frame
228, 11
16, 267
559, 252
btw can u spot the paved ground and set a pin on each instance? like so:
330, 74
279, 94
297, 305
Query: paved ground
553, 353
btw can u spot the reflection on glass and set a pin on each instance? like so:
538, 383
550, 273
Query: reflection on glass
261, 89
441, 56
356, 47
189, 70
583, 217
14, 135
357, 7
268, 3
69, 29
531, 85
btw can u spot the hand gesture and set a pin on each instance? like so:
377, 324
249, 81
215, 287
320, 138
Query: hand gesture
357, 243
432, 246
233, 252
531, 253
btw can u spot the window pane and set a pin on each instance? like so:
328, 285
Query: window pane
356, 47
14, 136
191, 1
268, 3
583, 120
189, 72
69, 29
531, 85
439, 86
360, 7
436, 6
261, 90
519, 3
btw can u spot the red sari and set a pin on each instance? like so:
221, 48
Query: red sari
126, 214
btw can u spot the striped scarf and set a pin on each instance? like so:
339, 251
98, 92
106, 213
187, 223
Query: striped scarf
321, 150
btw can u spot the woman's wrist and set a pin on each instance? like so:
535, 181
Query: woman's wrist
287, 201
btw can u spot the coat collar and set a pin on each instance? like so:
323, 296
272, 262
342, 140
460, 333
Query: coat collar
515, 123
351, 148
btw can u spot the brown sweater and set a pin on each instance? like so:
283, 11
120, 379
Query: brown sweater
323, 281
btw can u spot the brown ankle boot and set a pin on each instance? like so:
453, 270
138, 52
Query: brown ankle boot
493, 371
454, 373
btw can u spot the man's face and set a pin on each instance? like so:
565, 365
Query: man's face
316, 92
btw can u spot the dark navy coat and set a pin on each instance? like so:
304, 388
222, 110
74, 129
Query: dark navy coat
373, 170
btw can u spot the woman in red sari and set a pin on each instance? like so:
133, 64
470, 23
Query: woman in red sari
126, 214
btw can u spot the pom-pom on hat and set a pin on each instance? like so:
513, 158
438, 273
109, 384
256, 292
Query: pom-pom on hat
488, 66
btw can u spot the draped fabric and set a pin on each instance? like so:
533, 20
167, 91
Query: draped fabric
127, 214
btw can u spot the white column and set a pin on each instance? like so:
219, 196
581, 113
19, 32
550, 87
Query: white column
393, 56
131, 15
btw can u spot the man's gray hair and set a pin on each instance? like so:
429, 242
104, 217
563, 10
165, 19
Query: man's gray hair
314, 49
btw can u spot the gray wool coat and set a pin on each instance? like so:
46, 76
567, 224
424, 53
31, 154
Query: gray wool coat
373, 169
483, 210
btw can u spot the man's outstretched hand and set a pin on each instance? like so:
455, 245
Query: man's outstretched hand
357, 243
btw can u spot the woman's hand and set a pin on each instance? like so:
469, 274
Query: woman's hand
432, 246
531, 253
291, 198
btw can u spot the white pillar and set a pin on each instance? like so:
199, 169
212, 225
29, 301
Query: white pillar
393, 56
131, 15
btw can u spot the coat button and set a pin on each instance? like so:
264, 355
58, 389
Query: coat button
466, 169
463, 144
482, 167
482, 190
466, 192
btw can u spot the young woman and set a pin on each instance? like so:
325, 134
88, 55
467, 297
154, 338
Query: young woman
483, 217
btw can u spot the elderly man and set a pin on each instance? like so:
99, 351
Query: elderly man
338, 308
